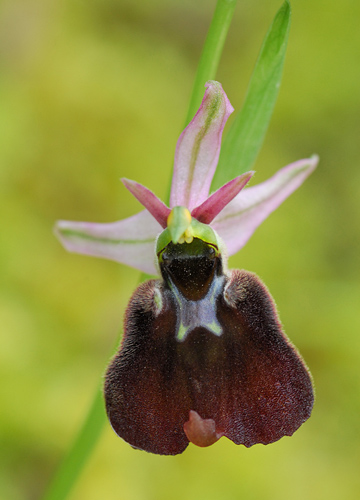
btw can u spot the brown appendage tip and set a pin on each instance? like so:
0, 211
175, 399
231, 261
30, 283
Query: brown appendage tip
199, 431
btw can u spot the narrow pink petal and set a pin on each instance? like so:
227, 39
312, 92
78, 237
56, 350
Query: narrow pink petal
239, 219
147, 198
198, 148
130, 241
211, 207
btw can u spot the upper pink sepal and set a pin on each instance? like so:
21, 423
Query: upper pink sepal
198, 148
149, 200
212, 206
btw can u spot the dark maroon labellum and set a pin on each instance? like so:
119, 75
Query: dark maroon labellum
203, 356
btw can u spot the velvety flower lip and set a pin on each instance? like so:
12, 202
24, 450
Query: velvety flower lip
248, 384
232, 211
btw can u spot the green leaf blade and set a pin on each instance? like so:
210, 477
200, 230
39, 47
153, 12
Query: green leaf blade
244, 140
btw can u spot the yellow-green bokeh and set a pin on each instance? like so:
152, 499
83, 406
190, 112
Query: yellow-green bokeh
98, 90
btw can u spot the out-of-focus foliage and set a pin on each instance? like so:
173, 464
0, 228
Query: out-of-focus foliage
91, 91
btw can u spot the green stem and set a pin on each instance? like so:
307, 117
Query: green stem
73, 463
211, 53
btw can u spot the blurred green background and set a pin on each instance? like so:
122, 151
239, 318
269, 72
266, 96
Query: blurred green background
91, 91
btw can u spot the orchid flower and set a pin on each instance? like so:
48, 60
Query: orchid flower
203, 354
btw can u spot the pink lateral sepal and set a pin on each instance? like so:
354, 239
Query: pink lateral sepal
199, 431
246, 212
212, 206
149, 200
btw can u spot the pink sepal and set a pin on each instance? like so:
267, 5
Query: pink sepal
129, 241
239, 219
198, 148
